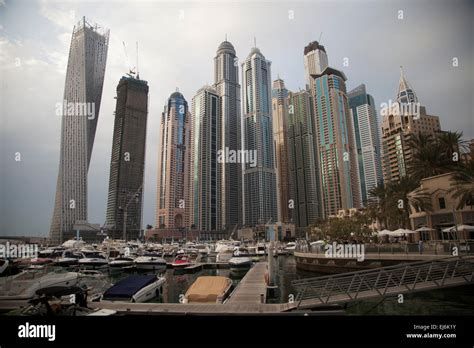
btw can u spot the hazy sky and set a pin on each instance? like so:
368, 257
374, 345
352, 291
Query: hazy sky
178, 41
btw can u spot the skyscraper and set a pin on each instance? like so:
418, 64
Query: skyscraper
127, 164
205, 171
259, 187
82, 96
226, 83
303, 159
280, 136
339, 179
400, 122
367, 139
173, 204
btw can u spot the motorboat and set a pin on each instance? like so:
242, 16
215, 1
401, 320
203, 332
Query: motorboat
69, 258
122, 264
73, 244
181, 260
225, 255
169, 250
240, 263
93, 260
24, 285
93, 282
208, 290
240, 251
261, 249
202, 249
150, 262
135, 288
290, 247
51, 252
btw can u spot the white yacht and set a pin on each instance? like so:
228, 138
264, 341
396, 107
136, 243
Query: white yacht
93, 260
150, 262
202, 249
136, 288
290, 247
23, 286
121, 264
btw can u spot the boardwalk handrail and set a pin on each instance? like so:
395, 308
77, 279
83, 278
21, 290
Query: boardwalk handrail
405, 277
465, 247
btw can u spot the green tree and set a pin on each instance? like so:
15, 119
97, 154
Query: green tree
462, 184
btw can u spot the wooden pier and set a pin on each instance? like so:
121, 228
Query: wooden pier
252, 289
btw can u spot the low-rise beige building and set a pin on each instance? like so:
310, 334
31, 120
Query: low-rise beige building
444, 213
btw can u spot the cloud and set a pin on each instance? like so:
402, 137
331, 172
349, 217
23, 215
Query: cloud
58, 13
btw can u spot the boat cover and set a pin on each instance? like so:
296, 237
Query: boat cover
129, 286
207, 289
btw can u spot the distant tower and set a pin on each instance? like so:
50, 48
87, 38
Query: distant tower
367, 139
259, 187
127, 165
339, 177
172, 207
280, 135
226, 83
205, 171
303, 159
82, 92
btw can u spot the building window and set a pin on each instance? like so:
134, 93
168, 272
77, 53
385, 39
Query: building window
442, 203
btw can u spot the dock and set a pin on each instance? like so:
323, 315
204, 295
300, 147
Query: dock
252, 289
248, 298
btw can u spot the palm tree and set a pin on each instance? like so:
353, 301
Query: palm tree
429, 160
452, 142
462, 184
406, 193
435, 155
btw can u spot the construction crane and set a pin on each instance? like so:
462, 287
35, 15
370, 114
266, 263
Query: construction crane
133, 72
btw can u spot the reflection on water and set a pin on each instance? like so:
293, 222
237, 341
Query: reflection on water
453, 301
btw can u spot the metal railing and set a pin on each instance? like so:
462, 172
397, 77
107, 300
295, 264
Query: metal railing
384, 281
433, 247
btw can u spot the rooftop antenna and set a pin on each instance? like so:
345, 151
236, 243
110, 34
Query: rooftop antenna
254, 42
225, 36
320, 35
